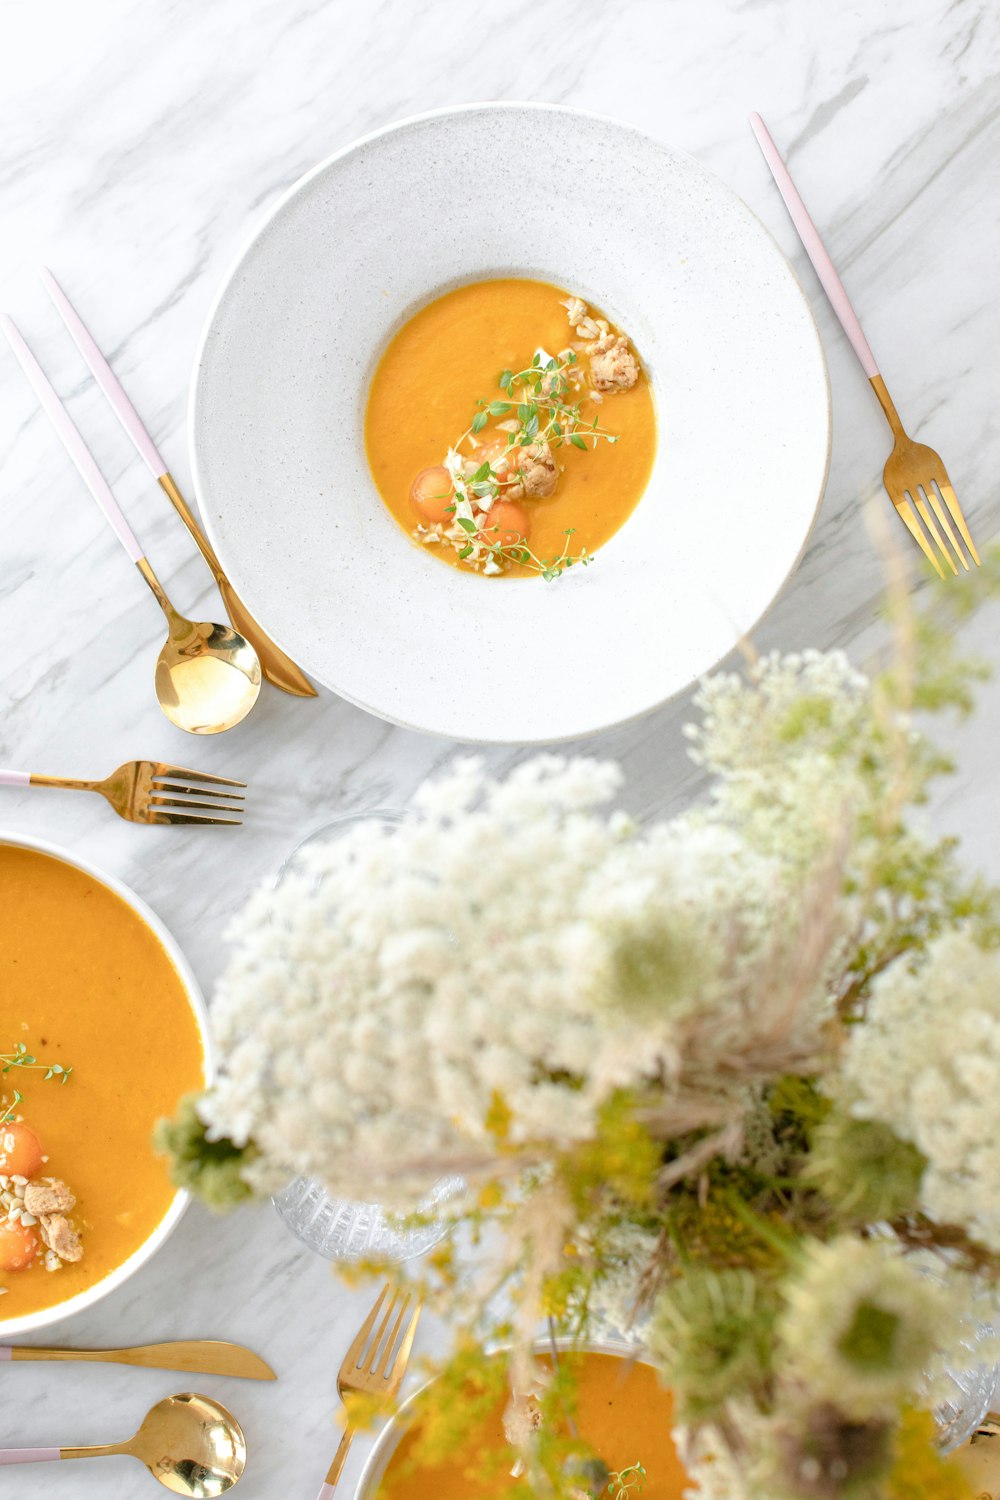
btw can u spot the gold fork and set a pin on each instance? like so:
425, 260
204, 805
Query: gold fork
373, 1367
142, 791
914, 476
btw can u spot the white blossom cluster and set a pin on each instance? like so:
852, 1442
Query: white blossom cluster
793, 747
927, 1063
611, 1303
501, 961
911, 1316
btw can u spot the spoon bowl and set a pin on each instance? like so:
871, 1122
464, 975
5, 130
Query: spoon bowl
207, 676
192, 1445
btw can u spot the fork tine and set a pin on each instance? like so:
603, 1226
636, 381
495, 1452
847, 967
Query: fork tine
402, 1358
390, 1343
928, 521
189, 775
187, 802
939, 511
353, 1356
158, 817
195, 791
950, 499
905, 510
373, 1352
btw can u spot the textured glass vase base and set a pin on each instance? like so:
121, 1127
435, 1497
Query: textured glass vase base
974, 1396
339, 1229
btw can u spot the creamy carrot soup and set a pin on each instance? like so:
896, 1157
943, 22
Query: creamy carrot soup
510, 429
623, 1413
87, 995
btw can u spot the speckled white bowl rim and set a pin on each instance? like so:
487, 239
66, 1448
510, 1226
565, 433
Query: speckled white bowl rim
30, 1322
592, 720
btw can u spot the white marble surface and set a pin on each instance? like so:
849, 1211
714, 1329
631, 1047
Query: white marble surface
139, 140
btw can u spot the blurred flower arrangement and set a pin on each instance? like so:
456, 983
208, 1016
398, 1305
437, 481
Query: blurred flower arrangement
726, 1083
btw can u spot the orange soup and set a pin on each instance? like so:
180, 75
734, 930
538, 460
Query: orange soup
510, 428
85, 985
623, 1413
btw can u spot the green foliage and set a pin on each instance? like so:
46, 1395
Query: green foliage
622, 1159
870, 1341
210, 1169
653, 966
863, 1170
712, 1336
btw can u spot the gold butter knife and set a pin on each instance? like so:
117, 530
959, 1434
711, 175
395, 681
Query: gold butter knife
277, 667
201, 1356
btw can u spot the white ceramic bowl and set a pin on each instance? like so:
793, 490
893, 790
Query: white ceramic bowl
281, 381
116, 1278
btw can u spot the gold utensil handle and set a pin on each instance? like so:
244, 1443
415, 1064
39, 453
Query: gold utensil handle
276, 664
102, 1450
337, 1467
169, 487
63, 783
199, 1356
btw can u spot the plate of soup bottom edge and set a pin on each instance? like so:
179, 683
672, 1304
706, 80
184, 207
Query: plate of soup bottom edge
640, 230
30, 1322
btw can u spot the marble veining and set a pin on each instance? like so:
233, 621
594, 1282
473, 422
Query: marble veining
140, 143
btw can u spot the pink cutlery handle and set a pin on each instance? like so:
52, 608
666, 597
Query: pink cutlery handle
72, 441
814, 247
13, 778
104, 375
28, 1455
326, 1492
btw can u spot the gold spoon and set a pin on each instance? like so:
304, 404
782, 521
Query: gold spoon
191, 1444
207, 676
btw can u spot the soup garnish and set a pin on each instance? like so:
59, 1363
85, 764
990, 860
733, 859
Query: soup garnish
523, 481
35, 1227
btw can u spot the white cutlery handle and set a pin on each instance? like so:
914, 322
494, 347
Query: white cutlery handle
72, 441
104, 375
28, 1455
814, 247
13, 778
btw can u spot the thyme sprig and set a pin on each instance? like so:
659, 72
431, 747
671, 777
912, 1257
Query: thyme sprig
520, 553
22, 1058
26, 1061
627, 1481
538, 398
6, 1115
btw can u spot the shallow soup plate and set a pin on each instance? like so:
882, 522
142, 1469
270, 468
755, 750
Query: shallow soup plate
636, 229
